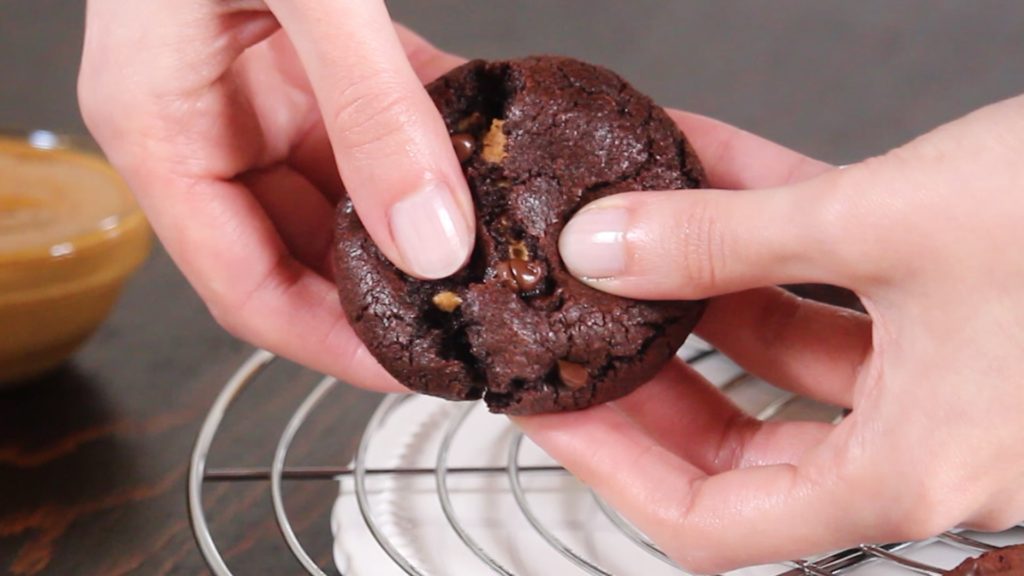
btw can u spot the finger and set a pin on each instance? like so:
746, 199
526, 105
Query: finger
154, 74
255, 288
144, 110
692, 419
313, 158
302, 217
736, 159
312, 155
698, 519
807, 347
733, 158
699, 243
392, 148
428, 62
309, 150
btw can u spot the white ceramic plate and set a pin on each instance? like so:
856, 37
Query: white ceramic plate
408, 512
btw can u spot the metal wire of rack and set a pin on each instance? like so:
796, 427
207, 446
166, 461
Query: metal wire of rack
279, 472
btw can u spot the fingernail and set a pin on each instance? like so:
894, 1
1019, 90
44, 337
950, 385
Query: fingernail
430, 232
593, 244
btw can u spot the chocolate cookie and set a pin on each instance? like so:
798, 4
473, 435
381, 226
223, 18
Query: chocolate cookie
1004, 561
538, 139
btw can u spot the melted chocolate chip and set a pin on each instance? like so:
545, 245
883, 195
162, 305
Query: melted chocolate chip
519, 275
503, 273
573, 375
464, 145
526, 274
472, 123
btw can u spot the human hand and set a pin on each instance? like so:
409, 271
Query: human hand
223, 122
929, 236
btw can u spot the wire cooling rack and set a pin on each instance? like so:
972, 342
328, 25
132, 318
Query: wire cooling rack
932, 557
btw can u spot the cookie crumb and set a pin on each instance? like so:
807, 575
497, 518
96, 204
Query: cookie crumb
494, 143
447, 301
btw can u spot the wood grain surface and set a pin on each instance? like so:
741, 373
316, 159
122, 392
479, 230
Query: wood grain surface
93, 458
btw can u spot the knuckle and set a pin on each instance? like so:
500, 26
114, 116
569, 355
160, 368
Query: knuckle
846, 218
114, 119
94, 108
1001, 512
369, 112
983, 523
87, 101
225, 314
736, 436
239, 309
926, 509
992, 522
679, 535
906, 502
700, 246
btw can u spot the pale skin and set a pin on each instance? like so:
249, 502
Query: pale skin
231, 159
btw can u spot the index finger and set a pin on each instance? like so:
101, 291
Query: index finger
392, 148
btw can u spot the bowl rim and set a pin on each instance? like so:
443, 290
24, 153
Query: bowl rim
103, 231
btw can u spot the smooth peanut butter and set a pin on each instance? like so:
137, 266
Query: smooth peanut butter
70, 233
48, 197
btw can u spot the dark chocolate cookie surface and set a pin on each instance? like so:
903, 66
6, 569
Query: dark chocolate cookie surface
538, 138
1004, 561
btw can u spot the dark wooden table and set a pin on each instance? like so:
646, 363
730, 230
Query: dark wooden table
93, 458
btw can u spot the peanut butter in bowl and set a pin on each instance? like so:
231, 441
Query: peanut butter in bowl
70, 235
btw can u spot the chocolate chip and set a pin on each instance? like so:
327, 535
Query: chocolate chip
472, 123
526, 274
573, 375
464, 145
519, 275
447, 301
503, 273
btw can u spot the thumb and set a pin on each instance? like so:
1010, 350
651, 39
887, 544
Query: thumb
693, 244
393, 151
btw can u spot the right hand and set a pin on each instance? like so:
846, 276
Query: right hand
231, 120
929, 236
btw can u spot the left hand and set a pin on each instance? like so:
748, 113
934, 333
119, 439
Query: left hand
235, 122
